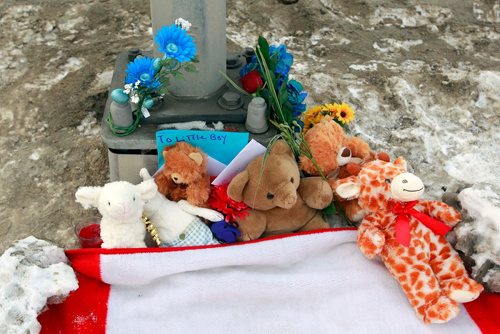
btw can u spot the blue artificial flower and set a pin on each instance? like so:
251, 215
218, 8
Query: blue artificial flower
285, 61
283, 64
249, 67
300, 127
176, 43
142, 69
296, 97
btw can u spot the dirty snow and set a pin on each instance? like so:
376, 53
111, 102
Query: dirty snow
479, 235
32, 272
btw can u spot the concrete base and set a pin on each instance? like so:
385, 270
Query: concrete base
127, 155
126, 167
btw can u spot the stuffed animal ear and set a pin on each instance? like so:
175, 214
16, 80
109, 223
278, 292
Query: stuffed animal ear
281, 147
401, 162
348, 188
88, 196
147, 189
145, 174
166, 149
237, 185
196, 157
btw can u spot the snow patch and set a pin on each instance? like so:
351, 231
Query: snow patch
370, 67
478, 165
331, 37
488, 83
12, 63
467, 41
417, 16
6, 116
479, 236
322, 83
47, 81
88, 126
69, 25
486, 12
32, 272
34, 156
194, 125
390, 45
102, 81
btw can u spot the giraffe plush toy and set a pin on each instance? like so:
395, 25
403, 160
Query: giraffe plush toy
409, 236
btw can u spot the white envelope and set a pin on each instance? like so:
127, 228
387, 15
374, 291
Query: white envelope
251, 151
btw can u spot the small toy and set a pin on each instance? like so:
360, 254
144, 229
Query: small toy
225, 232
409, 236
338, 156
184, 175
177, 222
120, 203
280, 201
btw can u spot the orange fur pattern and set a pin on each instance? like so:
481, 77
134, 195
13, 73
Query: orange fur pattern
326, 140
429, 271
190, 171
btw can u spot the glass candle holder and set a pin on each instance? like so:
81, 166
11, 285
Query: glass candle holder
88, 232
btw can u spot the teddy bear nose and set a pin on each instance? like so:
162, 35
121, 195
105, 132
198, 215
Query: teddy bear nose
176, 178
290, 200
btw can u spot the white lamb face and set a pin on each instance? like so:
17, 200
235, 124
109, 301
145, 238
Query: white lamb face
120, 200
407, 187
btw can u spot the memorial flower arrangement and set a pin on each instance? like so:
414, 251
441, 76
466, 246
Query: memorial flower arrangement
340, 112
267, 74
148, 78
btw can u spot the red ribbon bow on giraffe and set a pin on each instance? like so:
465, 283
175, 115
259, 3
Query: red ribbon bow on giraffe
404, 211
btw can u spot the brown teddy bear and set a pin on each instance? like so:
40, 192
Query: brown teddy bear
184, 175
338, 156
280, 201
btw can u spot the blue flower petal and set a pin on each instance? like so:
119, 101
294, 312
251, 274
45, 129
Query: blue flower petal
142, 69
185, 48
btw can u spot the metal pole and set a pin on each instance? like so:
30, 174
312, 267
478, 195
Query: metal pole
208, 18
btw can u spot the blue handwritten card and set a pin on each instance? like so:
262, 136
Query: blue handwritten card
220, 145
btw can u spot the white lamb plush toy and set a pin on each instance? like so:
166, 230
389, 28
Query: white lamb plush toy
177, 222
121, 205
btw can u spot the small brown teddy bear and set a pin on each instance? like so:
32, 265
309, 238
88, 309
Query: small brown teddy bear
184, 175
338, 156
280, 201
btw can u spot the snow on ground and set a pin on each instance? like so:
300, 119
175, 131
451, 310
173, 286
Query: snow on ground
479, 235
32, 272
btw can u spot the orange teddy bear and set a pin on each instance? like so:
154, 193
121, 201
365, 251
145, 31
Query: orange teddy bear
184, 175
409, 236
338, 156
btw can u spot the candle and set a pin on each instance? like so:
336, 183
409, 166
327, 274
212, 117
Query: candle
89, 233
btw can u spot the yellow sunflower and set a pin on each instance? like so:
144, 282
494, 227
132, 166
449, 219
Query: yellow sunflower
345, 114
342, 112
313, 116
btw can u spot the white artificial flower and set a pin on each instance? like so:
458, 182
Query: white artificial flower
134, 98
137, 83
184, 24
128, 88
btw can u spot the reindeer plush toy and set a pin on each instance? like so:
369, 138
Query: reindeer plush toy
409, 236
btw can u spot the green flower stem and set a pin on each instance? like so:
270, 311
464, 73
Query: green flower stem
235, 85
122, 131
269, 81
